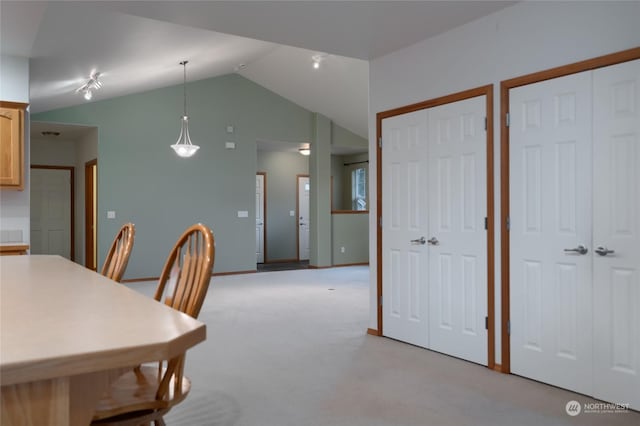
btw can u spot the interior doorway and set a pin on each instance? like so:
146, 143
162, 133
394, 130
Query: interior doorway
303, 190
261, 209
90, 213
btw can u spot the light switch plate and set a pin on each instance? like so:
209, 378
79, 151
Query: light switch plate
111, 214
243, 213
292, 213
229, 129
230, 145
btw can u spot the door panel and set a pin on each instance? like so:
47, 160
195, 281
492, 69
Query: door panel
260, 202
404, 180
51, 212
303, 218
616, 212
457, 209
550, 208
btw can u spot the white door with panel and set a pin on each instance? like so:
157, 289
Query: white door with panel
51, 212
616, 210
404, 212
434, 237
260, 202
550, 218
303, 218
574, 217
457, 236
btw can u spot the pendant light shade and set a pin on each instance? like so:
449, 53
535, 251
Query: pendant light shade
183, 146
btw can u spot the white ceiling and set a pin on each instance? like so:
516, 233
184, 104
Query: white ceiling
137, 45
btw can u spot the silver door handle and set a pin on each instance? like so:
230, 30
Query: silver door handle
603, 251
580, 250
433, 241
420, 240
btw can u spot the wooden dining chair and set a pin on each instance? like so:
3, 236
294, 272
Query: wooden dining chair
118, 255
148, 392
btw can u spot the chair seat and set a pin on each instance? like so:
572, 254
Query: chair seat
134, 394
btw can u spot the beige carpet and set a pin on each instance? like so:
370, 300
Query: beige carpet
290, 349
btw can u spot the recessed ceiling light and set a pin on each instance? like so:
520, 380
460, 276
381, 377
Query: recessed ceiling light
240, 67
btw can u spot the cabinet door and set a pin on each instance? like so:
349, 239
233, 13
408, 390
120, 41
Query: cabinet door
11, 147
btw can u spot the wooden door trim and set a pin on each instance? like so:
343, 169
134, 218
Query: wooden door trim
72, 203
264, 214
486, 91
505, 86
88, 211
298, 215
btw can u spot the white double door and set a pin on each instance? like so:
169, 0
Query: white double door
575, 232
434, 239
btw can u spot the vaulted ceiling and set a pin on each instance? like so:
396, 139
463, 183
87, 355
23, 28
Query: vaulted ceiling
137, 45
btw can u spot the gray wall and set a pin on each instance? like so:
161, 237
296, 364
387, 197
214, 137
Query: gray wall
350, 231
281, 169
142, 179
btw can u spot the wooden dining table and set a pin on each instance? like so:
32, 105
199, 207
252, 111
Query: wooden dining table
67, 332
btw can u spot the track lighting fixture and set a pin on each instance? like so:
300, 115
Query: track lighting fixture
92, 84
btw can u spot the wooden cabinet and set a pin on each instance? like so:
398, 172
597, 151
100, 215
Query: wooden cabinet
12, 145
6, 250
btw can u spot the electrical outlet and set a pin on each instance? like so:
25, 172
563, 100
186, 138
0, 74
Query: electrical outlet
341, 249
111, 214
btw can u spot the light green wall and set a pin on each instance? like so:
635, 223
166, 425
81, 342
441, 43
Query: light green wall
281, 169
320, 200
350, 231
143, 180
337, 172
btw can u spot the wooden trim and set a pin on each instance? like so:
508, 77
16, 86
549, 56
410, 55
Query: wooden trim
373, 332
13, 105
349, 211
487, 92
16, 249
298, 215
135, 280
497, 367
221, 274
264, 217
89, 243
505, 86
342, 265
71, 170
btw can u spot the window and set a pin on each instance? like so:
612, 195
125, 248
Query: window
359, 189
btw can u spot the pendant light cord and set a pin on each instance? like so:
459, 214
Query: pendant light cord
184, 86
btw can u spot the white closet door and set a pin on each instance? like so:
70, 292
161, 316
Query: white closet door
457, 209
550, 202
404, 181
51, 212
616, 211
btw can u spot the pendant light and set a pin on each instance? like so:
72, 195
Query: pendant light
183, 146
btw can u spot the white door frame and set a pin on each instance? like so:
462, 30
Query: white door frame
486, 91
72, 246
505, 86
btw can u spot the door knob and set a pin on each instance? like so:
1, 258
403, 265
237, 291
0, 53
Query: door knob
433, 241
603, 251
420, 240
580, 250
